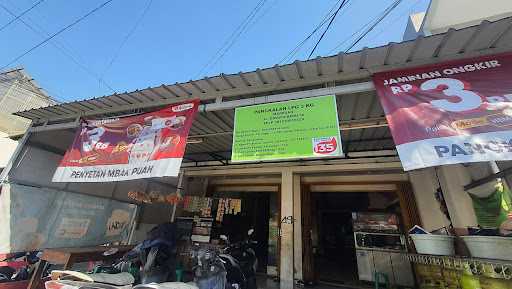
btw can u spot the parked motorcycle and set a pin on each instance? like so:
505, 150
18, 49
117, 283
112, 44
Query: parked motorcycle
241, 262
156, 255
210, 271
154, 260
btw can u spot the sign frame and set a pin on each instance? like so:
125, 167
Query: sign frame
337, 135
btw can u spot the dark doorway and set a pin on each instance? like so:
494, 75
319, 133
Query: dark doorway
334, 249
256, 213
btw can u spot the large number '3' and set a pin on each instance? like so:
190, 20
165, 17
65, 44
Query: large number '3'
468, 99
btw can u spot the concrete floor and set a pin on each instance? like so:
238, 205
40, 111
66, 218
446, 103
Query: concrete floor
269, 283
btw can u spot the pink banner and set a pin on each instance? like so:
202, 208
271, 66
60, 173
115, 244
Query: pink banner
453, 112
141, 146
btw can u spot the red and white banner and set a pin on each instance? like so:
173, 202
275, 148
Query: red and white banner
454, 112
142, 146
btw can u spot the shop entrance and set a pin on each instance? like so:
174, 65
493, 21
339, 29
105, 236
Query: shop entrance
260, 211
349, 232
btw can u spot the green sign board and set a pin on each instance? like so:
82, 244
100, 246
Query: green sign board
295, 129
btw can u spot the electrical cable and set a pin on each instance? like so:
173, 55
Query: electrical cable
392, 22
231, 40
353, 34
265, 12
327, 28
297, 48
386, 13
126, 38
55, 43
360, 30
56, 33
21, 14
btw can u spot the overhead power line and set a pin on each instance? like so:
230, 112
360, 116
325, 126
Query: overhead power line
384, 15
362, 30
126, 38
21, 15
59, 46
56, 33
299, 46
327, 28
407, 11
232, 39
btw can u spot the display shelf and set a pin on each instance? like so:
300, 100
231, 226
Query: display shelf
384, 233
194, 218
380, 249
489, 267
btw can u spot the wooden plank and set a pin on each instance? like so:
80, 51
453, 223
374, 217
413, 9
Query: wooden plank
235, 188
271, 169
356, 178
354, 188
35, 280
245, 181
308, 271
408, 205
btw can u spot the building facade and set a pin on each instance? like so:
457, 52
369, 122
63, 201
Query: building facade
18, 92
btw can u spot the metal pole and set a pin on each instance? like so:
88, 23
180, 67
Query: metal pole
178, 192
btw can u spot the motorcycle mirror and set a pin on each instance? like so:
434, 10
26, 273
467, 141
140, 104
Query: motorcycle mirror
249, 233
224, 237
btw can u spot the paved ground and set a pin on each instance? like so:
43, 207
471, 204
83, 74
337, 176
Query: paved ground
267, 283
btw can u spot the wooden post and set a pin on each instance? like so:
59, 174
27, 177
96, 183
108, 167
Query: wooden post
297, 227
179, 189
286, 254
35, 280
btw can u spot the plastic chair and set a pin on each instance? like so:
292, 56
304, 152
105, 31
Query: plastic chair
385, 279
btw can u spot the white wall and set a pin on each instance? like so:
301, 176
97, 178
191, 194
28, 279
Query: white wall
425, 184
445, 14
7, 148
453, 178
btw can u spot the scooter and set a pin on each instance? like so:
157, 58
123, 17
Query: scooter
241, 262
210, 271
156, 255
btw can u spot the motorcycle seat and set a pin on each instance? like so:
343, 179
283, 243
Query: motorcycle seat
120, 279
167, 285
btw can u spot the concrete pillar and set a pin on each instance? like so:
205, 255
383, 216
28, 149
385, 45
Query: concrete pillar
453, 178
297, 227
286, 253
425, 184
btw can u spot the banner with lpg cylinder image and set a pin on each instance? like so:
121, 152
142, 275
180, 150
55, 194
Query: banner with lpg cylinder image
453, 112
141, 146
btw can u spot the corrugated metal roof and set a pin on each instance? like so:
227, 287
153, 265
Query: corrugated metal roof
486, 38
215, 127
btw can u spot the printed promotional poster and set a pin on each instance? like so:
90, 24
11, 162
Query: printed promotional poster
454, 112
141, 146
294, 129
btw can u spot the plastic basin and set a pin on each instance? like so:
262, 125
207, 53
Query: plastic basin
489, 247
434, 244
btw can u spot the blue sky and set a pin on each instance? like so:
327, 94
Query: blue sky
175, 39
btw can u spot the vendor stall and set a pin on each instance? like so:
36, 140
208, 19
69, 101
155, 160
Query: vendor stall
266, 144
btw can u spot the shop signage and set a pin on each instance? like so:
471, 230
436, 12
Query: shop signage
141, 146
295, 129
453, 112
